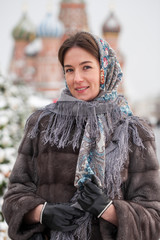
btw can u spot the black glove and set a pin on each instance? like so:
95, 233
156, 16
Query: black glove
60, 217
92, 199
37, 236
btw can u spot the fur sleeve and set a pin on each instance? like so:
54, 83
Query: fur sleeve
21, 196
139, 213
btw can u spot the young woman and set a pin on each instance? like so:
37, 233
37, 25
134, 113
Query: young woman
86, 167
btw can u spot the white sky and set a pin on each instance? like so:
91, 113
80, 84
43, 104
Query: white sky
139, 39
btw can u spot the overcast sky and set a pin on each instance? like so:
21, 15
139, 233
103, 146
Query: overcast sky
139, 39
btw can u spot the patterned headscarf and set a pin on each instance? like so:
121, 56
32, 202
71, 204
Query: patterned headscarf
111, 73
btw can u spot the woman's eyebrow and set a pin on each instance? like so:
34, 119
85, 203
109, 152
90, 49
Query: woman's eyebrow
85, 62
68, 65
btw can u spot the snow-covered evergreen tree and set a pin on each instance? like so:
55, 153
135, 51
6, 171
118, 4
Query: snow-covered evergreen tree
16, 104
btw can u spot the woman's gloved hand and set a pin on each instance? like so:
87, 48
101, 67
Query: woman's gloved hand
60, 217
37, 236
92, 199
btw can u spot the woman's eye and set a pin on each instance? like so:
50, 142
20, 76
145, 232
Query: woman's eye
86, 67
68, 70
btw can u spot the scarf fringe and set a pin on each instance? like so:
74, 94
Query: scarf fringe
83, 231
118, 150
68, 119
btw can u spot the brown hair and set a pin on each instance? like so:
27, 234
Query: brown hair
81, 39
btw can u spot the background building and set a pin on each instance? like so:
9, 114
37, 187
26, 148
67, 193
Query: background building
73, 15
34, 58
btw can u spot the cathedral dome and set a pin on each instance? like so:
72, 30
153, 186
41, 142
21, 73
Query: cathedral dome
50, 27
111, 24
25, 30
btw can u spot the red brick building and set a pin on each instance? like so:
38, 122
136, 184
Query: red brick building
73, 15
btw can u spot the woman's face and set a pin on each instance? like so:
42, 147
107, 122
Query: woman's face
82, 73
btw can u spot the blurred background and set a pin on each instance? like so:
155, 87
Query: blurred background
31, 76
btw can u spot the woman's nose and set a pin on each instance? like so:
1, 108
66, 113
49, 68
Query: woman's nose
77, 76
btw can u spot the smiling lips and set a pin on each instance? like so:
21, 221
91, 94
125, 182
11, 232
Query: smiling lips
81, 89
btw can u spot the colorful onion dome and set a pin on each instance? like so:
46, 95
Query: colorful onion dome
50, 27
111, 24
25, 29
